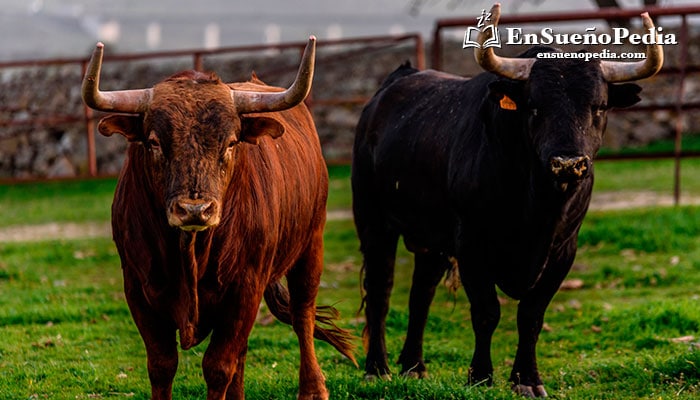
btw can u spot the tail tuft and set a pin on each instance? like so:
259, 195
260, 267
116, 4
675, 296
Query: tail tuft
277, 299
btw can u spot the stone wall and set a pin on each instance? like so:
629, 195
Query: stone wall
57, 146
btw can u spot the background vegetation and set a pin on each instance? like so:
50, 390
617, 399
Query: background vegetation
631, 331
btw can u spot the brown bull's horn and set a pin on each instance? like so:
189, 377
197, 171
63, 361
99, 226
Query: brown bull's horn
249, 102
127, 101
513, 68
615, 71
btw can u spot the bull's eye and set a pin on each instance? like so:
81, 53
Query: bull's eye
153, 141
598, 111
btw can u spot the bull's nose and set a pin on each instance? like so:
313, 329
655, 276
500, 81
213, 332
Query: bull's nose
186, 208
193, 215
570, 168
566, 170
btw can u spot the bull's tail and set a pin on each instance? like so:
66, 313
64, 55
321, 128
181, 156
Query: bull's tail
277, 300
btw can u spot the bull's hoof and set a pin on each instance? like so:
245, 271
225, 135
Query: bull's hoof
415, 374
314, 396
530, 391
480, 379
321, 394
373, 377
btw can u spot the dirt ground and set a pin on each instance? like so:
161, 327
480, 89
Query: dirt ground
53, 231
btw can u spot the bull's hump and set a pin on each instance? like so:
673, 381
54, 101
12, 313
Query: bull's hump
440, 75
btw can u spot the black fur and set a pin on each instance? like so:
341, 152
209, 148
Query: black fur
438, 161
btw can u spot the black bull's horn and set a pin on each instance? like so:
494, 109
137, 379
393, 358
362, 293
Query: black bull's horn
137, 101
613, 71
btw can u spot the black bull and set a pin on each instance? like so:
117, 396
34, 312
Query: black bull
492, 174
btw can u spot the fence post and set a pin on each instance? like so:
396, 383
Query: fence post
197, 61
436, 50
420, 52
678, 141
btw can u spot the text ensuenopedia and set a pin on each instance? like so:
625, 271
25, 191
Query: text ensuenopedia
619, 36
604, 54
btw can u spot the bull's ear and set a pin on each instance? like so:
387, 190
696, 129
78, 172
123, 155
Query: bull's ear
253, 128
507, 94
624, 95
131, 127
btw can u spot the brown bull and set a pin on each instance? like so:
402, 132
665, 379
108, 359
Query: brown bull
222, 195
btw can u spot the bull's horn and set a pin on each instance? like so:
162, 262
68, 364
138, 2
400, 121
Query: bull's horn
249, 102
615, 71
513, 68
127, 101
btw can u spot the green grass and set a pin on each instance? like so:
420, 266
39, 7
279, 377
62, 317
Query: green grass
90, 200
67, 333
649, 175
689, 142
646, 175
59, 201
339, 191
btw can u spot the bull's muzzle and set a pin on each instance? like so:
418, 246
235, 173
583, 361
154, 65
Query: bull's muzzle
569, 169
193, 214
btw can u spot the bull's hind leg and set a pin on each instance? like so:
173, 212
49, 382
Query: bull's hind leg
303, 281
378, 243
379, 250
429, 269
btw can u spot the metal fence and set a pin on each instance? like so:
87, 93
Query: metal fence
339, 51
347, 51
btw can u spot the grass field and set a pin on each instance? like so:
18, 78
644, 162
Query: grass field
631, 332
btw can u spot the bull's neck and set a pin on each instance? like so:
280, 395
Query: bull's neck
519, 178
194, 257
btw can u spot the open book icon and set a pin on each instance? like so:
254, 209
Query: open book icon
493, 41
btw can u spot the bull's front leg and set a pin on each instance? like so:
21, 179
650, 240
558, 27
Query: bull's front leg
525, 376
159, 337
224, 360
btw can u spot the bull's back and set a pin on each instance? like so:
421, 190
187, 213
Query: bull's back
402, 151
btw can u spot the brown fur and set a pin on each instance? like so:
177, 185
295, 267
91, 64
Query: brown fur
271, 197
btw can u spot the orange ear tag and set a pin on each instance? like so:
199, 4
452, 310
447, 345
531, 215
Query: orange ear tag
507, 103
